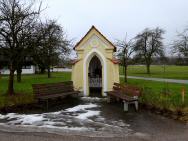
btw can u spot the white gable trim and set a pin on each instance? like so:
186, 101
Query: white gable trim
87, 59
98, 40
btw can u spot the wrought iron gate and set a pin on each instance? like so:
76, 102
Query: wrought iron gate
95, 82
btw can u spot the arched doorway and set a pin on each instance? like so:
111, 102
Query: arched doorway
95, 77
86, 62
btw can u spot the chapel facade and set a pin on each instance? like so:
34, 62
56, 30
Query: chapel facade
95, 70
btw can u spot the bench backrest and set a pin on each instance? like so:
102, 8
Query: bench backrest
52, 88
127, 89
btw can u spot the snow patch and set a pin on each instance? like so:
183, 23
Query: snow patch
14, 118
84, 117
63, 119
81, 107
93, 99
88, 114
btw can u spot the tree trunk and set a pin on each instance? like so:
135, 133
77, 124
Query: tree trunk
19, 75
49, 63
49, 74
148, 68
125, 74
125, 67
42, 70
11, 81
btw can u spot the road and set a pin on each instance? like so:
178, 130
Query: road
36, 136
6, 136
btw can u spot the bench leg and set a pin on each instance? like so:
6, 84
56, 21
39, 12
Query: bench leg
47, 104
136, 105
126, 107
108, 99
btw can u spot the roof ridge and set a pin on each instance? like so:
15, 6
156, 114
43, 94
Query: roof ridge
93, 27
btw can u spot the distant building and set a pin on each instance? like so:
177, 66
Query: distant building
25, 70
28, 67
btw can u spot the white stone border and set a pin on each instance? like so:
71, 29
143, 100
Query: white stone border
87, 59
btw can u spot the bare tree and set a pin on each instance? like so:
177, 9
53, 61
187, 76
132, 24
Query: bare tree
126, 48
149, 44
180, 46
51, 44
15, 18
25, 40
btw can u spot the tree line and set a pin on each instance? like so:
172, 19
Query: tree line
23, 35
148, 45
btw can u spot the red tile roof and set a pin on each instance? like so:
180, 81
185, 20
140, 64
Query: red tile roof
75, 61
115, 61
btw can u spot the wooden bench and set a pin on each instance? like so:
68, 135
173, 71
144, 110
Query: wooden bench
44, 92
127, 93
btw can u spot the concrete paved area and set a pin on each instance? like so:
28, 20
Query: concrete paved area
116, 126
44, 136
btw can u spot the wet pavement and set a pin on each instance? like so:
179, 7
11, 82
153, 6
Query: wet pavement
93, 117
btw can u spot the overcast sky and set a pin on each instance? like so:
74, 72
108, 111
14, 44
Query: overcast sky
116, 17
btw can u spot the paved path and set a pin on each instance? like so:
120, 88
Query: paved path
158, 79
15, 136
142, 126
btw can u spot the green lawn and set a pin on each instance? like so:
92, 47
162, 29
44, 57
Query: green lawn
173, 72
25, 86
154, 93
24, 92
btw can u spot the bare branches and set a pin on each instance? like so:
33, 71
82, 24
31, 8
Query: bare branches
126, 48
50, 44
16, 20
180, 46
149, 44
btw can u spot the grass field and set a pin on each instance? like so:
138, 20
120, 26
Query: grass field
24, 89
173, 72
25, 86
154, 91
160, 94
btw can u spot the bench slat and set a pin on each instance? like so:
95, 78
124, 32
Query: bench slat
44, 97
124, 92
121, 96
52, 90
